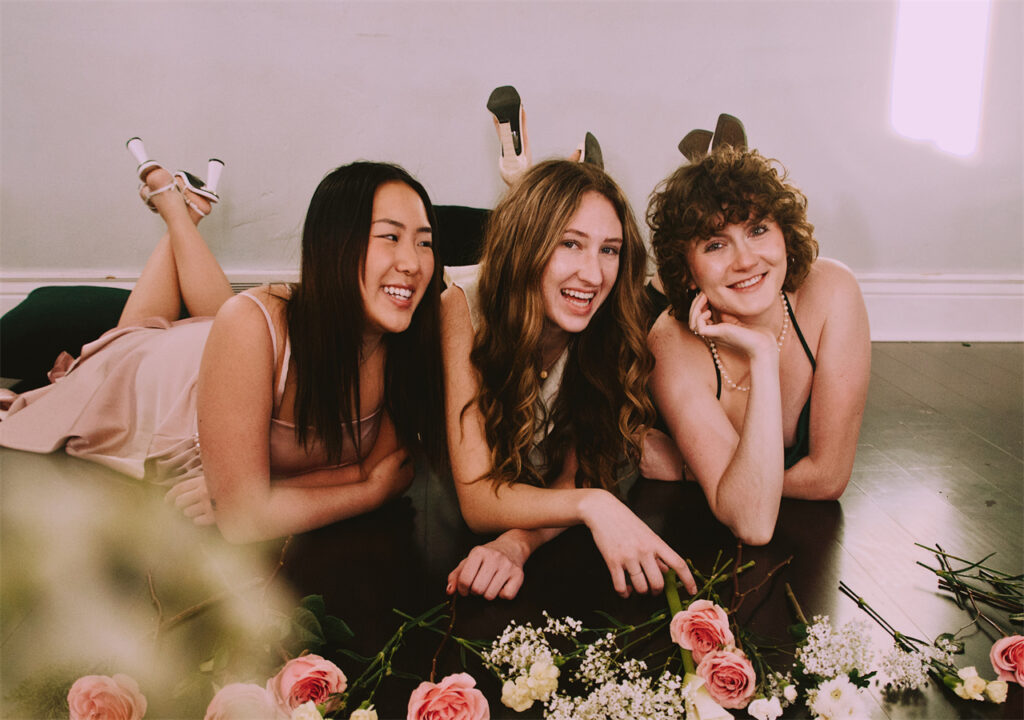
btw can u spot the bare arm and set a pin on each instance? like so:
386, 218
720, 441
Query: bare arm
840, 386
740, 473
629, 547
234, 408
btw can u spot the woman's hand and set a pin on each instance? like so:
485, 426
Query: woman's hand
726, 330
661, 459
494, 569
633, 552
193, 499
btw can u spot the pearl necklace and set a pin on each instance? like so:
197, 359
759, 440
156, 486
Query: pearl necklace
778, 342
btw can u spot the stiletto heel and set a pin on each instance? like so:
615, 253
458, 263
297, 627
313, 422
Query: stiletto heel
729, 131
695, 144
208, 190
145, 167
507, 108
592, 151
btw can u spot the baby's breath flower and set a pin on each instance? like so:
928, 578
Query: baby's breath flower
904, 670
828, 653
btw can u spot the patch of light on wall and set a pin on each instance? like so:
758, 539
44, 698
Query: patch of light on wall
939, 71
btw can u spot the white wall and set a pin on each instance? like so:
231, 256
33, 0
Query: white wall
285, 91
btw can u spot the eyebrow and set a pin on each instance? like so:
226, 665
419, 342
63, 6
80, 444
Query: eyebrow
580, 233
389, 221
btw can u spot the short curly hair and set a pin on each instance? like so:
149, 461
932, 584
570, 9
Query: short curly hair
725, 186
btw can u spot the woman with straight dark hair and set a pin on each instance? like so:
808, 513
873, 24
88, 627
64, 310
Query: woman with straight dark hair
296, 406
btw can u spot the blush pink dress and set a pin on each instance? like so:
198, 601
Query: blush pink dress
129, 402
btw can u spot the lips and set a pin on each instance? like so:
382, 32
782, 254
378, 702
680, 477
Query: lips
748, 283
579, 299
400, 294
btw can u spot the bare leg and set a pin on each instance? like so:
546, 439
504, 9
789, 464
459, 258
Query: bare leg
181, 268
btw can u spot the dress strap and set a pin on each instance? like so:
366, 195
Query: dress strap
283, 375
796, 326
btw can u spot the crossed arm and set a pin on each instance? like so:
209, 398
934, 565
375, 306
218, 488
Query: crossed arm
529, 516
235, 402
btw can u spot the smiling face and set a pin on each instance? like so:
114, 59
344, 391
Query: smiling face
741, 268
583, 267
399, 259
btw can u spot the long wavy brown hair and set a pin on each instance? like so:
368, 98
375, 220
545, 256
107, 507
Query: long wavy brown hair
725, 186
603, 404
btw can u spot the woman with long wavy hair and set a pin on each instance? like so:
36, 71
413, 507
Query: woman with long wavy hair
283, 408
546, 373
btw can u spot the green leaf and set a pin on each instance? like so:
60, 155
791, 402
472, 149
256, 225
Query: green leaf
307, 626
356, 656
798, 631
315, 604
337, 630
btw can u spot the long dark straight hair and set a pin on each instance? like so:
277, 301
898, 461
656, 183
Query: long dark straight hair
326, 321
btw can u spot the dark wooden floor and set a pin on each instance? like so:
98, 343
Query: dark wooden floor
940, 460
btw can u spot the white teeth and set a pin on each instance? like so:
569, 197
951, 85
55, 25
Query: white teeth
748, 283
579, 295
398, 292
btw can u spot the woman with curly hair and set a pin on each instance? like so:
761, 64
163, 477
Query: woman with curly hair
546, 373
763, 356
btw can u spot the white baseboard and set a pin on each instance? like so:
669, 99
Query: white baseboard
901, 307
944, 307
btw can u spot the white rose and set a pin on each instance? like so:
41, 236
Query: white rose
972, 686
364, 714
789, 692
306, 711
996, 691
516, 695
765, 709
543, 680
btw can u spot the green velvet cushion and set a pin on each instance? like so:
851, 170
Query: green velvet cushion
51, 320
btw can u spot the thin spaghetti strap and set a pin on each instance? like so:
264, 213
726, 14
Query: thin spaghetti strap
283, 375
796, 326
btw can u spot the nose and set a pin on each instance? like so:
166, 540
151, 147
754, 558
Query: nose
744, 256
407, 260
589, 270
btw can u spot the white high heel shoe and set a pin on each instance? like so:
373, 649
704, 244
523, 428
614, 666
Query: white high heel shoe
182, 181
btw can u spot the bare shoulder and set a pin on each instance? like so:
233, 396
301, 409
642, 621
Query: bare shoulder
670, 338
455, 317
828, 277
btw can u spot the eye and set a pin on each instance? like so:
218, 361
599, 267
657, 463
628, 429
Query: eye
758, 230
713, 245
613, 250
428, 243
567, 243
388, 236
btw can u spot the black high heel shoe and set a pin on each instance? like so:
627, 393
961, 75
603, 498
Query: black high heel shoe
510, 120
592, 151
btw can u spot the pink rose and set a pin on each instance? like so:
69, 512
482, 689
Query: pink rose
107, 698
729, 677
243, 701
701, 628
1007, 656
454, 698
308, 677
